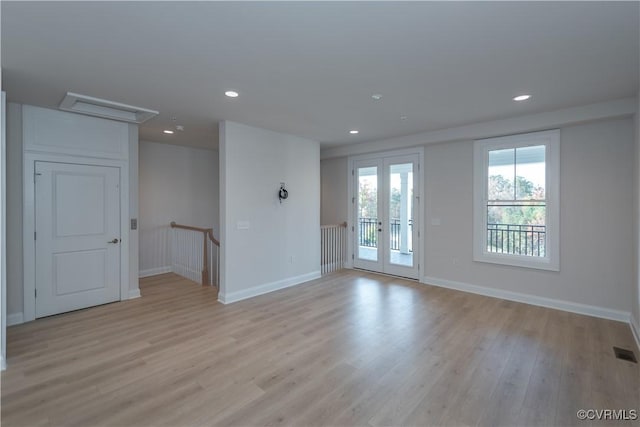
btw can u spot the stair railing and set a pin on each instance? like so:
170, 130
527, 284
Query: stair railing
206, 263
333, 250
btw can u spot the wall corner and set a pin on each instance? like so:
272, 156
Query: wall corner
133, 210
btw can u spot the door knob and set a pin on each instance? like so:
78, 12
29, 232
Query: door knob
380, 229
114, 241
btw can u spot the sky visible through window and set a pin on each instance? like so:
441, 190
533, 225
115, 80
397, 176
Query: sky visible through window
525, 165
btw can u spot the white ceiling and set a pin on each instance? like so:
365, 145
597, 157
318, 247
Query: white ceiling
310, 68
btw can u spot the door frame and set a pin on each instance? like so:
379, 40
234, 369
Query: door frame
28, 217
378, 163
419, 151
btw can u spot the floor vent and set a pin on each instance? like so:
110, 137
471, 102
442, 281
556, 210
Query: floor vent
625, 354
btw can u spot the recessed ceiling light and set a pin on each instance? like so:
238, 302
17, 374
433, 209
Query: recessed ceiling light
354, 132
521, 97
376, 96
232, 94
167, 131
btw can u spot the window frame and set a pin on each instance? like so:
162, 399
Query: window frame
551, 140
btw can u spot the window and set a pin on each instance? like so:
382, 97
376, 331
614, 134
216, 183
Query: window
516, 212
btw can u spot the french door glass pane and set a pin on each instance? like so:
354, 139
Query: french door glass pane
368, 213
401, 214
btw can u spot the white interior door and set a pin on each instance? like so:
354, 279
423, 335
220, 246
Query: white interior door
77, 215
386, 220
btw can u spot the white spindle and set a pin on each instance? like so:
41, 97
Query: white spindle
334, 243
186, 254
332, 250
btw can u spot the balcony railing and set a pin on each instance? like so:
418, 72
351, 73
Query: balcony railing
515, 239
368, 232
512, 239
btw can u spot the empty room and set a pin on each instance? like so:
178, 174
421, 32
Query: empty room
366, 213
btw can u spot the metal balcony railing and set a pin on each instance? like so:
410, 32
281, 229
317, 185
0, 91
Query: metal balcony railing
512, 239
368, 232
515, 239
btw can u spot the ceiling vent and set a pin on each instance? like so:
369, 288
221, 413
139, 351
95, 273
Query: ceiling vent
97, 107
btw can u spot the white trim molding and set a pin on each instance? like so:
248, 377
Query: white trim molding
155, 271
635, 330
625, 107
15, 319
481, 152
228, 298
57, 136
28, 221
419, 203
3, 363
134, 293
572, 307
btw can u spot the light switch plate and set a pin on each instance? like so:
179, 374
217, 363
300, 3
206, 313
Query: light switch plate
243, 225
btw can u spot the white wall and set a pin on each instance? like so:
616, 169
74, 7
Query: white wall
334, 175
3, 224
3, 230
14, 214
134, 236
281, 247
596, 253
635, 315
176, 184
597, 261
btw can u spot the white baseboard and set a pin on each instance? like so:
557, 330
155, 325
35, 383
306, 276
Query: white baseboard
185, 271
15, 319
635, 329
573, 307
267, 287
154, 271
332, 266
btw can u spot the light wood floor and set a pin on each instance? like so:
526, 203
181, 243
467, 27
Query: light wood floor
348, 349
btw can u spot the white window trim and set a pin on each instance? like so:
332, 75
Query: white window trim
481, 148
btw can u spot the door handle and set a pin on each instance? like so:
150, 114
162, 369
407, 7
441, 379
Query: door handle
114, 241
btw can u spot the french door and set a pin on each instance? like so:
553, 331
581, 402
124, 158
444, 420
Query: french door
386, 215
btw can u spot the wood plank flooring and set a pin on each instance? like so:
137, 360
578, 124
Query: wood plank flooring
349, 349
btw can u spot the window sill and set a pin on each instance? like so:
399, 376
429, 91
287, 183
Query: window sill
519, 261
